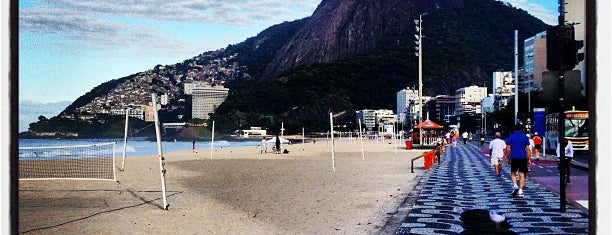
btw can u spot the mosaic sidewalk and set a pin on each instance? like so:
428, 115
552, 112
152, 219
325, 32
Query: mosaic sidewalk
465, 181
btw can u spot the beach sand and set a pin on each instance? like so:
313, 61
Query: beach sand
237, 191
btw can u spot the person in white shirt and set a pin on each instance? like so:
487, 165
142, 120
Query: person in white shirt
264, 146
465, 137
531, 150
569, 156
497, 150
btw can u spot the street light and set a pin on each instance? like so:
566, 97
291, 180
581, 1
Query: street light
419, 38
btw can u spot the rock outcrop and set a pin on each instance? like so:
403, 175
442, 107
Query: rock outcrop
341, 28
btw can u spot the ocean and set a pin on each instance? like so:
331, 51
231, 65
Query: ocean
138, 146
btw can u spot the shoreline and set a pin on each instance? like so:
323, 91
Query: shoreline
236, 191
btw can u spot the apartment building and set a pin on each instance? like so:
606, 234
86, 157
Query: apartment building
206, 99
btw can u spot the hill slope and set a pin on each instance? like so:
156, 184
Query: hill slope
463, 46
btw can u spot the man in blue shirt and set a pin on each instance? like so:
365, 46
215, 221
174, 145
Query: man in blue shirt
517, 147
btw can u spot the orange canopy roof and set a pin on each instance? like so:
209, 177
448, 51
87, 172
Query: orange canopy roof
428, 124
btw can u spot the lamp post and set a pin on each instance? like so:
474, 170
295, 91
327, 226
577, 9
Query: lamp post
419, 38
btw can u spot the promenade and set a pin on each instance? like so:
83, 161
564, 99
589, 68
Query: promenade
464, 181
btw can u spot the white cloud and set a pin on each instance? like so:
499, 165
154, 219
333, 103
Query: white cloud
110, 25
238, 12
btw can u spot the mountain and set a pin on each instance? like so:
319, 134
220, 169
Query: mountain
465, 42
338, 29
349, 55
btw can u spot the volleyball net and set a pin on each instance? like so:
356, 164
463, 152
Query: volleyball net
76, 162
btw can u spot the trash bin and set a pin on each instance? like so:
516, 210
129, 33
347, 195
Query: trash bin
409, 144
428, 159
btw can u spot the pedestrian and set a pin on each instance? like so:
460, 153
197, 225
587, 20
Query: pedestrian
447, 136
465, 137
193, 145
517, 147
497, 148
482, 139
264, 146
278, 145
537, 145
470, 136
569, 156
531, 151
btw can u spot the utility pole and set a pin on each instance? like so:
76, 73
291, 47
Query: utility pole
561, 123
516, 77
420, 55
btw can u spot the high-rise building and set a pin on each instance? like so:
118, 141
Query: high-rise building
405, 101
206, 99
575, 13
440, 108
467, 99
503, 88
371, 118
534, 62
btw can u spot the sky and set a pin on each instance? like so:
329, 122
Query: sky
67, 47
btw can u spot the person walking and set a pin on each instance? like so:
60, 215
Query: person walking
569, 156
517, 147
278, 145
531, 151
465, 137
264, 145
497, 148
537, 145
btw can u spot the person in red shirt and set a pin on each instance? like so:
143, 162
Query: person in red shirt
537, 142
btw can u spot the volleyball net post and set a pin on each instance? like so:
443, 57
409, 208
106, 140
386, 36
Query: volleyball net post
162, 164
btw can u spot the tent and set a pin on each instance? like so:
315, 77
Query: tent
428, 125
430, 132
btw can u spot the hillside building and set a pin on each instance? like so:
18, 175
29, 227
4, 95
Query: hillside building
206, 99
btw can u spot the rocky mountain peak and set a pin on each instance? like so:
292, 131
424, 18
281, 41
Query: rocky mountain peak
340, 28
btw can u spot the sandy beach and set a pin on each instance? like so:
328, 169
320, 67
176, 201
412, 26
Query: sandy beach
237, 191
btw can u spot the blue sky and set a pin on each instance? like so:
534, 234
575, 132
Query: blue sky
67, 47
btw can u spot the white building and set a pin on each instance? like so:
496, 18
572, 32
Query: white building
135, 111
467, 99
407, 103
503, 88
371, 118
403, 102
206, 99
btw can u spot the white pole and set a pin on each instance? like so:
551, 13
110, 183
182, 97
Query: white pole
125, 140
303, 138
420, 79
361, 140
395, 137
160, 155
282, 129
333, 150
212, 140
515, 76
